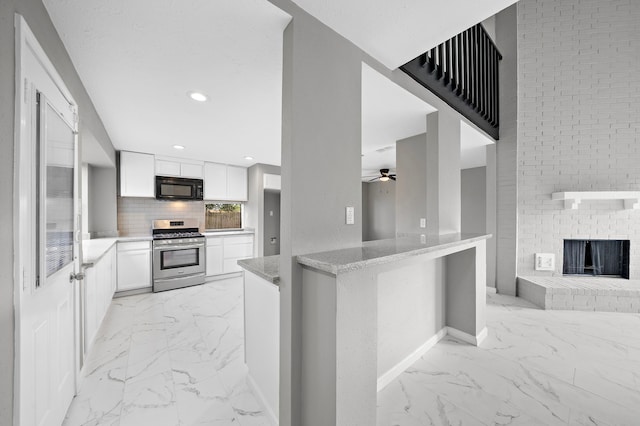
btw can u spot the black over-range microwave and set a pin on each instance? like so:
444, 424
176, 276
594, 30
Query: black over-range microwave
175, 188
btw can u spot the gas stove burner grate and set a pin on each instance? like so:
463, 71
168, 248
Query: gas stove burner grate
168, 235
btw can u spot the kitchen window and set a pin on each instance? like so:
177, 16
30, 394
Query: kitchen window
223, 216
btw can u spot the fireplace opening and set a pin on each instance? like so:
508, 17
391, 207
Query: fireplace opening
596, 258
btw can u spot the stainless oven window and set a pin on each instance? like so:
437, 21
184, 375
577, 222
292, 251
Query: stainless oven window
176, 190
179, 258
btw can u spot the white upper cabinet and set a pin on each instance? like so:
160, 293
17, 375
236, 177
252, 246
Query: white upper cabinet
215, 181
236, 183
272, 182
191, 170
167, 168
137, 174
179, 168
225, 183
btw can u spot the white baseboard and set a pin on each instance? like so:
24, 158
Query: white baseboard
468, 338
492, 290
256, 390
400, 367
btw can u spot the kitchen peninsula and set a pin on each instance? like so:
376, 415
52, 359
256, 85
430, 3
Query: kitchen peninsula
369, 312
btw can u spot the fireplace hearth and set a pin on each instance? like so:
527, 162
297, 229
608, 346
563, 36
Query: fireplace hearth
596, 258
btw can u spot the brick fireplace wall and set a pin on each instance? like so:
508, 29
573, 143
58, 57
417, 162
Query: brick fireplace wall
578, 123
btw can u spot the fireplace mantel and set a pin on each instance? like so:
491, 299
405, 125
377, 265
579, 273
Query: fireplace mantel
573, 199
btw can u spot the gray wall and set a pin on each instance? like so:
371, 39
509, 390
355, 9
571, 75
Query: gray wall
365, 212
379, 207
38, 19
579, 124
321, 126
271, 223
474, 200
411, 186
506, 152
254, 207
491, 225
103, 212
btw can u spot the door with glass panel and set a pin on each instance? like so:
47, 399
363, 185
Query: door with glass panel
48, 306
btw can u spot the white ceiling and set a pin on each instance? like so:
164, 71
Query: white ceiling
389, 113
138, 59
473, 151
394, 32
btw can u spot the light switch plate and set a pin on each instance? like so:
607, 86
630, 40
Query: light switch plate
351, 216
545, 262
423, 222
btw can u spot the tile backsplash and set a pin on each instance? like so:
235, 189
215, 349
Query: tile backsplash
135, 215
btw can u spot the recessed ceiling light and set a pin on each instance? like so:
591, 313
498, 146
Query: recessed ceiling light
248, 157
197, 96
178, 147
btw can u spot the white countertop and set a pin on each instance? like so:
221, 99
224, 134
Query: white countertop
384, 251
94, 249
223, 233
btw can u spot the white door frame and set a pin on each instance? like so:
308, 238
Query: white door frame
24, 217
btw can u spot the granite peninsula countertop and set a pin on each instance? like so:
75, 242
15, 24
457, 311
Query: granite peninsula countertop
267, 267
379, 252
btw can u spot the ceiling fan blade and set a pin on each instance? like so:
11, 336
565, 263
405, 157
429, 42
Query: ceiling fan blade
375, 178
392, 177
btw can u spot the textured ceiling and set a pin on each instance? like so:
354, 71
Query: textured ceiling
138, 59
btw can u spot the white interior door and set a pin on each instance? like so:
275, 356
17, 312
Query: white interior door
48, 307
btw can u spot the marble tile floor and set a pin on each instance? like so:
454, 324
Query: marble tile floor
536, 367
174, 358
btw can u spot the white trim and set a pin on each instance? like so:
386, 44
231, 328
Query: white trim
263, 401
468, 338
402, 366
492, 290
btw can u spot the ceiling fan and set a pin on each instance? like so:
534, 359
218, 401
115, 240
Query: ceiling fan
384, 176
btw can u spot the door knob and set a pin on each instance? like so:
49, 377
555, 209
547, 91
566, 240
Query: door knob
76, 276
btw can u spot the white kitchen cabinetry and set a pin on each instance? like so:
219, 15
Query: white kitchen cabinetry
137, 174
236, 247
215, 257
99, 285
223, 253
215, 181
225, 183
167, 168
192, 170
179, 168
272, 182
134, 265
236, 183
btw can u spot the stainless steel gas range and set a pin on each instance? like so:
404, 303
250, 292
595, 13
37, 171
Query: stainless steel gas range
178, 254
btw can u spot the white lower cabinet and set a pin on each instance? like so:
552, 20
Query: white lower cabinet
236, 247
134, 265
223, 253
215, 257
99, 287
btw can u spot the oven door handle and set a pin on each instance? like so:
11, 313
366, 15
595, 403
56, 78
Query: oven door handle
179, 247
